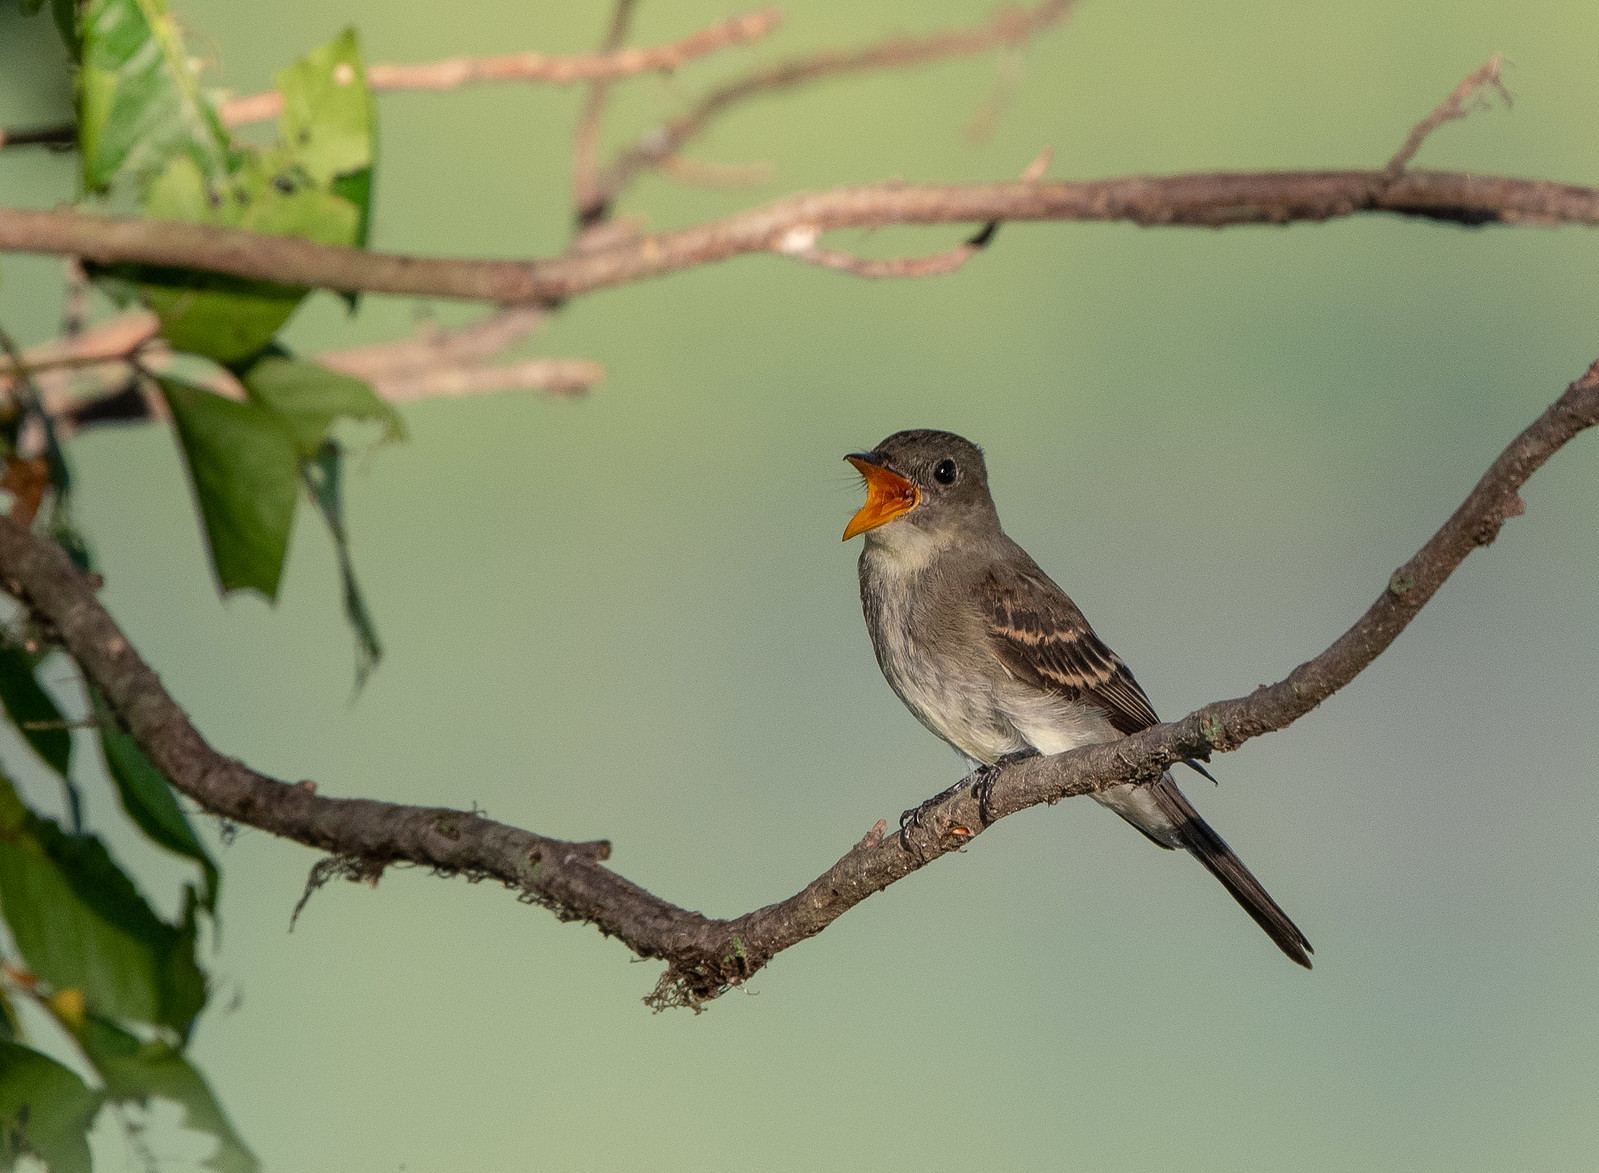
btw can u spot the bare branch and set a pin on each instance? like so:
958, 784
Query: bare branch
800, 243
1210, 200
65, 135
698, 173
1451, 108
586, 137
706, 956
1008, 27
557, 376
532, 67
435, 349
85, 380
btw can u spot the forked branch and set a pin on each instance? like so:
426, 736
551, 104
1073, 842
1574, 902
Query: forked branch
705, 956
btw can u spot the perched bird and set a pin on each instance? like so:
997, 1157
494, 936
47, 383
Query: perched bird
994, 658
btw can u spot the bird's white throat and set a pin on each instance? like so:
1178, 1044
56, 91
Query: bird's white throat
903, 548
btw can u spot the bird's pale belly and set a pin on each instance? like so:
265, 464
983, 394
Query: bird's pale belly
983, 718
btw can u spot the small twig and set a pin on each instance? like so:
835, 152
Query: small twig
586, 200
452, 363
82, 723
85, 381
1451, 108
1008, 27
75, 301
564, 377
531, 67
698, 173
1007, 82
800, 243
434, 349
65, 135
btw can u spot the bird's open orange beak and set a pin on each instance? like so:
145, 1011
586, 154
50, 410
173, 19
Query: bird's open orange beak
888, 495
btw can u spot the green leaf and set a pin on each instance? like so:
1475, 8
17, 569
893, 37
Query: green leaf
140, 101
310, 397
329, 126
328, 117
45, 1109
29, 705
316, 183
10, 1028
228, 318
244, 470
137, 1071
357, 188
29, 7
80, 923
323, 478
66, 18
150, 802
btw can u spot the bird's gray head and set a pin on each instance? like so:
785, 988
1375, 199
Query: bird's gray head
922, 480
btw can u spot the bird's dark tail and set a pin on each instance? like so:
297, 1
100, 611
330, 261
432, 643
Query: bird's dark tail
1209, 849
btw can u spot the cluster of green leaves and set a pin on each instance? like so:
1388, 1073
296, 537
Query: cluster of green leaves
146, 122
123, 983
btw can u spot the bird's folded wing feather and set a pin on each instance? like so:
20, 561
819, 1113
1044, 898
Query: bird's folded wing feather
1041, 637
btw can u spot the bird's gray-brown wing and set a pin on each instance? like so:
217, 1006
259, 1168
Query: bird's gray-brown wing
1043, 640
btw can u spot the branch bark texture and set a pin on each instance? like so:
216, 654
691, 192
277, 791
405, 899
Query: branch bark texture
1212, 200
706, 956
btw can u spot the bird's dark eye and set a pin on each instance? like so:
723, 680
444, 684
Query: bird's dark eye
944, 474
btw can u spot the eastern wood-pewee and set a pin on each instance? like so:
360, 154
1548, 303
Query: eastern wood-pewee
994, 658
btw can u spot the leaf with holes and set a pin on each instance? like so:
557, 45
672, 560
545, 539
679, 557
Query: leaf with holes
228, 319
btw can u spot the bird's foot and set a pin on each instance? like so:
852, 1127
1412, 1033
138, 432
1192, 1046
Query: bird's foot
980, 781
911, 819
984, 777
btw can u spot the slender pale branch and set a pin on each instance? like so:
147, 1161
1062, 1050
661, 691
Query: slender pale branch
801, 245
1209, 200
1453, 107
586, 137
706, 956
613, 64
86, 379
1007, 28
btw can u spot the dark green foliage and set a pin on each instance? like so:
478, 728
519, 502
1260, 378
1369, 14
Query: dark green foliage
323, 474
151, 804
45, 1109
136, 1071
80, 923
32, 711
125, 983
242, 465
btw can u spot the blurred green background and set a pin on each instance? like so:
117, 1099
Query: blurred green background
630, 616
